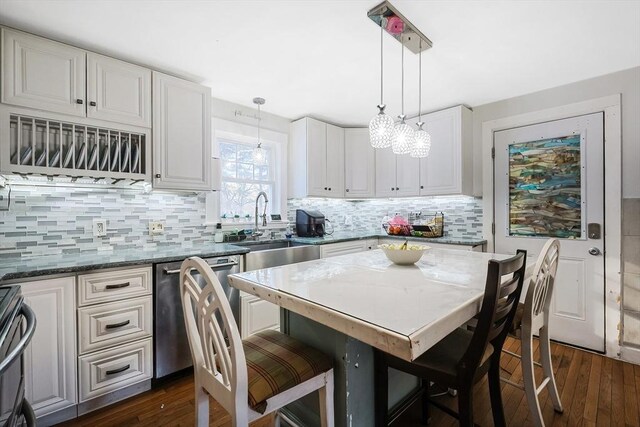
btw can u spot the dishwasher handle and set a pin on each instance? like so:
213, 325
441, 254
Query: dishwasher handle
213, 267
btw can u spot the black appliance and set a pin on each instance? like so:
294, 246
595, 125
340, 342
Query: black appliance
309, 223
17, 325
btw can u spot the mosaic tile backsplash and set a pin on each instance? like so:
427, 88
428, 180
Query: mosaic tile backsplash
54, 220
462, 214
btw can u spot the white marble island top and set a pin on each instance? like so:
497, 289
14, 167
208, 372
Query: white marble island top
403, 310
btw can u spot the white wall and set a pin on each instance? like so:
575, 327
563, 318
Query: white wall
227, 110
625, 82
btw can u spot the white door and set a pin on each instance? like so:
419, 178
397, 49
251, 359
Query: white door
335, 161
118, 91
407, 176
385, 173
316, 158
359, 163
549, 183
42, 74
50, 359
181, 134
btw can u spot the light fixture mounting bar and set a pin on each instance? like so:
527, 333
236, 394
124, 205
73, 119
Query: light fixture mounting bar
394, 23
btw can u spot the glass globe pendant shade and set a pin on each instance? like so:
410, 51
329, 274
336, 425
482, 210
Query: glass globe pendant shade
403, 138
381, 129
422, 144
259, 156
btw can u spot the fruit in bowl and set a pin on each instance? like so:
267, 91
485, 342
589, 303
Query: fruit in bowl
404, 253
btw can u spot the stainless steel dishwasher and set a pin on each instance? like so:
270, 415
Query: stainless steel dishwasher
171, 346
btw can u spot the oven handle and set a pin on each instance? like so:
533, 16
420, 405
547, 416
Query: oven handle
213, 267
29, 315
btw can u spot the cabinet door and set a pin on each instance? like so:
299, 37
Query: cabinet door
42, 74
316, 158
257, 315
440, 173
50, 358
359, 164
118, 91
335, 161
344, 248
385, 173
181, 134
407, 176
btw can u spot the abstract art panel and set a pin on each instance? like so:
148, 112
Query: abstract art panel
545, 188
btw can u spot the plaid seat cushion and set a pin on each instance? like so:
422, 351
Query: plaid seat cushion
276, 362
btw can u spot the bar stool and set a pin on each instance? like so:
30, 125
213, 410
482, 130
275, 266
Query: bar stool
532, 317
249, 378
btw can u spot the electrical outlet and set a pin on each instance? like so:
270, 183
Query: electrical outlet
156, 227
99, 227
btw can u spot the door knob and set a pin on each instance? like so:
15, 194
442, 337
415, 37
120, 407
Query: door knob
595, 251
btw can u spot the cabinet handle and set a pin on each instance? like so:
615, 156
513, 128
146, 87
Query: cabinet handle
117, 371
117, 325
158, 175
118, 286
79, 101
93, 103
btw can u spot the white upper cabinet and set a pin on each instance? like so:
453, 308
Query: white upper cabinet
316, 159
335, 161
448, 169
118, 91
181, 134
396, 175
42, 74
359, 164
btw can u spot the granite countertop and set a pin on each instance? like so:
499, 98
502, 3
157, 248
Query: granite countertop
17, 268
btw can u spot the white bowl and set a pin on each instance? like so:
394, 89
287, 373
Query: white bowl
408, 256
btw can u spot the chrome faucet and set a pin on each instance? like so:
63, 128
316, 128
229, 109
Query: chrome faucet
256, 231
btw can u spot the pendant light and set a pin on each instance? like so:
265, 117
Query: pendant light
422, 144
381, 126
403, 137
259, 156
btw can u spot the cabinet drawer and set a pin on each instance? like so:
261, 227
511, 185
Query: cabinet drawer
110, 285
109, 370
115, 323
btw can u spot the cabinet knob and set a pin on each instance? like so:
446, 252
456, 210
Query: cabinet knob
422, 187
93, 103
325, 188
329, 188
158, 175
397, 188
79, 101
347, 190
392, 188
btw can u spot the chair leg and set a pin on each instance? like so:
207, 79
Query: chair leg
529, 378
547, 367
381, 389
495, 391
202, 406
426, 413
465, 406
276, 419
326, 402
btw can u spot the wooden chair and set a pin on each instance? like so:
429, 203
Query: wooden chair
531, 318
249, 378
462, 358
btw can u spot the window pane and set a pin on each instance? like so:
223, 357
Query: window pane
245, 154
228, 169
227, 151
261, 173
545, 188
245, 171
240, 198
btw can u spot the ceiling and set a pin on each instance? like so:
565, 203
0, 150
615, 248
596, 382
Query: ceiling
321, 58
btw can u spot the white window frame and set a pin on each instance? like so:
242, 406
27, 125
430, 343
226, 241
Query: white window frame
246, 134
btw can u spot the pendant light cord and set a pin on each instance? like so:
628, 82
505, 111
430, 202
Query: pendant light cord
259, 120
420, 84
402, 61
381, 65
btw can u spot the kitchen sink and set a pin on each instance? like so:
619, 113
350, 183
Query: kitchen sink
273, 254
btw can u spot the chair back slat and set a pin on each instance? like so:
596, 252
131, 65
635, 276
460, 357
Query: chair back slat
216, 346
502, 292
538, 298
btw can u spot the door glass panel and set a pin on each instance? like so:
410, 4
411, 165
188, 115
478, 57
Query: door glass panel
545, 180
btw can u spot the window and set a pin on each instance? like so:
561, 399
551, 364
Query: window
242, 180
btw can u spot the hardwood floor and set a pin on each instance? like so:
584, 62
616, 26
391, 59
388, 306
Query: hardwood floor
595, 391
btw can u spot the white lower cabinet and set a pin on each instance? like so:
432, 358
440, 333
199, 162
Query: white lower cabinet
50, 359
257, 315
476, 248
115, 368
344, 248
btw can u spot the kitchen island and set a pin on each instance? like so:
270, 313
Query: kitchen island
348, 305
